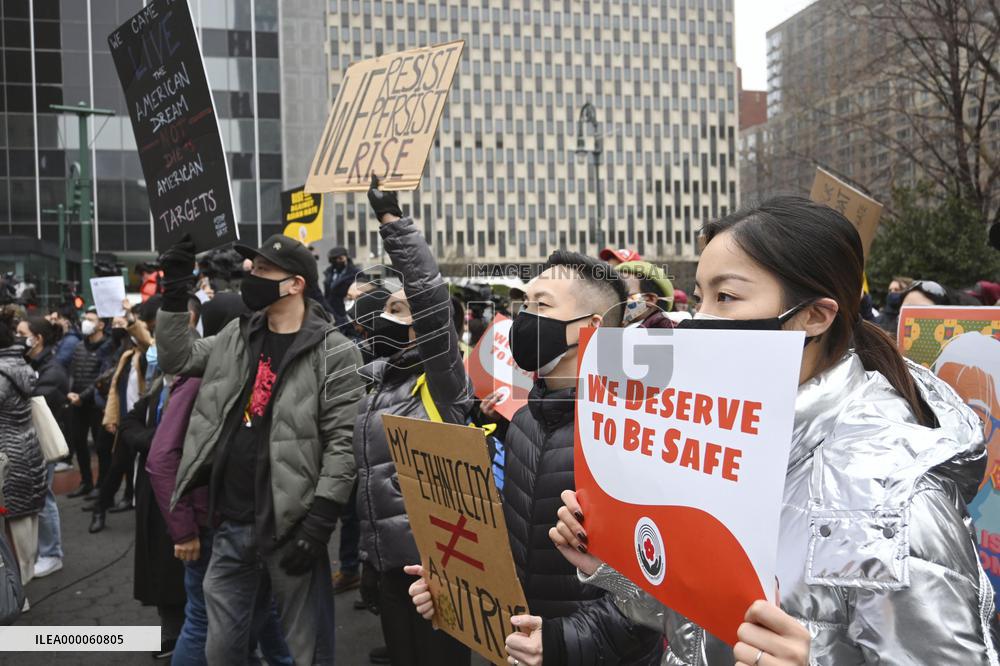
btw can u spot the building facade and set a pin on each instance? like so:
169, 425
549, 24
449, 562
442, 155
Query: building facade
503, 183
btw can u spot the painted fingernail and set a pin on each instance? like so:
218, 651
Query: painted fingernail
578, 516
582, 536
582, 548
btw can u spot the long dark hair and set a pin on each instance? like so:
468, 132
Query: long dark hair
816, 253
43, 328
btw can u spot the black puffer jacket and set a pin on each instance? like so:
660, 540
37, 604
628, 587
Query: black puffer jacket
90, 359
386, 538
53, 380
24, 487
582, 625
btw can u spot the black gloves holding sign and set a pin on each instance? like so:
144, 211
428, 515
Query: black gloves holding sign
385, 204
311, 537
178, 274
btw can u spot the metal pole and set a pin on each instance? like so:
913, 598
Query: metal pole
86, 228
61, 212
600, 200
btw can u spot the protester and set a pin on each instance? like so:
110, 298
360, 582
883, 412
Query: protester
985, 292
650, 295
876, 572
615, 256
570, 622
680, 310
71, 336
337, 279
128, 384
91, 358
24, 487
270, 430
928, 292
415, 345
41, 337
149, 279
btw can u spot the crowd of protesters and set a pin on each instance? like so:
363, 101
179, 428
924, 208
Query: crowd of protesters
237, 411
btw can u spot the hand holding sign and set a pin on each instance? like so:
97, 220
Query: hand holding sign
771, 637
525, 645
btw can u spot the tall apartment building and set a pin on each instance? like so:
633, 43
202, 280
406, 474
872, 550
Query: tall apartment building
826, 76
268, 74
503, 183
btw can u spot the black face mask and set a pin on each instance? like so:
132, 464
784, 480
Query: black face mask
259, 292
388, 337
767, 324
537, 341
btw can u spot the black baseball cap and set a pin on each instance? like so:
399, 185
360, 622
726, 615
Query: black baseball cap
287, 253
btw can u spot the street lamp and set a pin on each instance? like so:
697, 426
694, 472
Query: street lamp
588, 115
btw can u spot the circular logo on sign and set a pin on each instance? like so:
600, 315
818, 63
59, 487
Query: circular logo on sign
649, 551
502, 394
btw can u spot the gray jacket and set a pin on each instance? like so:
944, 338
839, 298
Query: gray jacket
311, 410
386, 539
876, 556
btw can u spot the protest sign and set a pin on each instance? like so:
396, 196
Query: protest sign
109, 293
454, 510
682, 441
302, 214
962, 346
384, 120
176, 129
491, 368
861, 210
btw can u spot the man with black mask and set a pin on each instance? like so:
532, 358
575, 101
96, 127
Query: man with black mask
270, 433
337, 279
571, 623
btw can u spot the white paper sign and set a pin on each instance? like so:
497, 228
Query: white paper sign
682, 447
109, 292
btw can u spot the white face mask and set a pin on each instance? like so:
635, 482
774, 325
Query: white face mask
635, 308
87, 328
467, 337
30, 342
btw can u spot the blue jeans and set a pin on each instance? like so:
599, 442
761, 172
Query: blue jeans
239, 583
190, 649
49, 531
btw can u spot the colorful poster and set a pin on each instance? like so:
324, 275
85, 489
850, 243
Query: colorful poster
454, 510
302, 214
491, 367
682, 442
962, 345
384, 120
176, 128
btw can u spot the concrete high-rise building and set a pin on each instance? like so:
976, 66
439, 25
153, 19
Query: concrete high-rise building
503, 183
268, 73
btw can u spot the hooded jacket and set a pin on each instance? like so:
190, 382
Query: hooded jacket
386, 538
312, 407
24, 487
876, 556
581, 624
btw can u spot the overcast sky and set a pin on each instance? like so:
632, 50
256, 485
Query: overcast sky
753, 19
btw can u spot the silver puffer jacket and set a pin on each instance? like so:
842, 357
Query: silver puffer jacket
876, 552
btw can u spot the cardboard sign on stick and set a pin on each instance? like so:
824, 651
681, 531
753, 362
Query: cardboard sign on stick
109, 292
302, 214
861, 210
682, 442
491, 367
384, 120
457, 521
176, 128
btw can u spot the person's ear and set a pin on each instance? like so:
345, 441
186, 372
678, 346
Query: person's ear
652, 300
816, 318
297, 285
595, 321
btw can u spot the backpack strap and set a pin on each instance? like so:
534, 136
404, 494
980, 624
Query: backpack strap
433, 414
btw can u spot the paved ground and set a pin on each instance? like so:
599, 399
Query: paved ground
95, 588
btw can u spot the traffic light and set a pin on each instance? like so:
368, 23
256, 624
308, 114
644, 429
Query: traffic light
77, 201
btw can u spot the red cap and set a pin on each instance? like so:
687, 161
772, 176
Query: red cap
680, 296
621, 254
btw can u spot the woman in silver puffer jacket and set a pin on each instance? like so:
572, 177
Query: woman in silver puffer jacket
876, 556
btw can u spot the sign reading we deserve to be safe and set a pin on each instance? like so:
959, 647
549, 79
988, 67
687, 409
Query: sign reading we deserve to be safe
176, 128
682, 442
384, 120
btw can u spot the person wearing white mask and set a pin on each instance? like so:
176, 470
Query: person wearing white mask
91, 358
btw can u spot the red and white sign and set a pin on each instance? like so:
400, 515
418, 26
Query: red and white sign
491, 367
682, 442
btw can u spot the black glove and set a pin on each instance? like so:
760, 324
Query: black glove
312, 536
178, 265
383, 202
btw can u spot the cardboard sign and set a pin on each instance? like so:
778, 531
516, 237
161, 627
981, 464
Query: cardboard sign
176, 129
491, 367
962, 345
109, 292
302, 214
454, 510
861, 210
384, 120
682, 442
